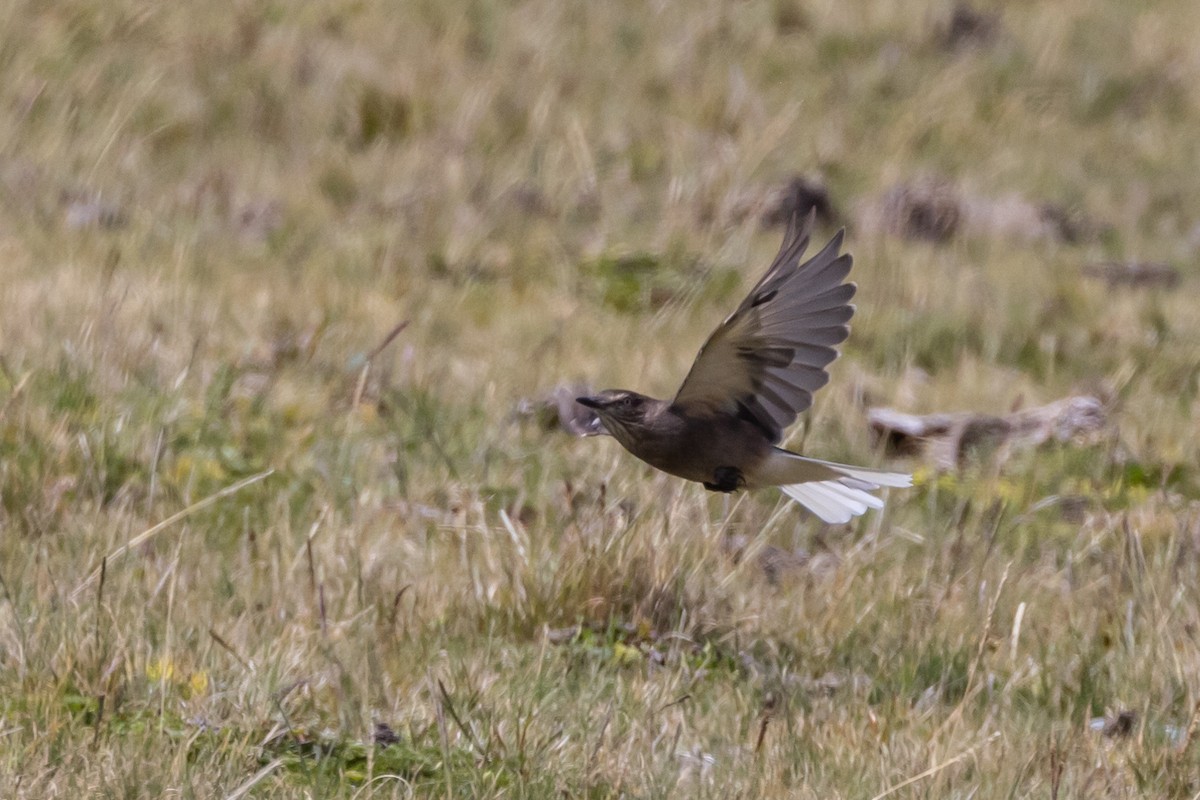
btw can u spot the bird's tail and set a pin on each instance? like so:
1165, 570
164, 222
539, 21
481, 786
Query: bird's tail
834, 492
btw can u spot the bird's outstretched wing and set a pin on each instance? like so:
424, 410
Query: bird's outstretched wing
765, 361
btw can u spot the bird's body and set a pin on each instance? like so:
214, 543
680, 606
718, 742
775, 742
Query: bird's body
702, 449
757, 371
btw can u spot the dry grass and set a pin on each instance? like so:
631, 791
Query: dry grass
210, 219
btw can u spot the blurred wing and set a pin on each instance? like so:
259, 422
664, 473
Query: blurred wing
765, 361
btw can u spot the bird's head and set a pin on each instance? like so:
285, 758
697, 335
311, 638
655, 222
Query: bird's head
621, 412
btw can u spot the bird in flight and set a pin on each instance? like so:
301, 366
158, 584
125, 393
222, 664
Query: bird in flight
755, 374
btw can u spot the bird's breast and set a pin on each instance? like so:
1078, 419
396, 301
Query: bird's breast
703, 448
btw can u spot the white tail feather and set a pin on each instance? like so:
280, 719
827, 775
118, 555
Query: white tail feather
831, 501
841, 499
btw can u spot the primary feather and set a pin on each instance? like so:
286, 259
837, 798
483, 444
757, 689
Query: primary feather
767, 358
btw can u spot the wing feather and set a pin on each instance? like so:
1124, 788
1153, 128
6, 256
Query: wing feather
829, 299
767, 358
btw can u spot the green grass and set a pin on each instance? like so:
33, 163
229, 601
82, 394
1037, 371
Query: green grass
553, 192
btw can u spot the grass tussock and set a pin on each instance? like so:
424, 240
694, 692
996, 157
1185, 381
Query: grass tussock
277, 281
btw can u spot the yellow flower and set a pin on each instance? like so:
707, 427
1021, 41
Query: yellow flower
947, 482
160, 670
921, 476
197, 684
1008, 490
624, 655
205, 469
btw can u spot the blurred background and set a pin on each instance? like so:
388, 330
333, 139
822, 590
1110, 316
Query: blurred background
309, 282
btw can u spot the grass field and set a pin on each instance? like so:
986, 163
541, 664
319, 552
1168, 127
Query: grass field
250, 546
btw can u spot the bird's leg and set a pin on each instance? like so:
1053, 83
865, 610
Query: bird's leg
726, 479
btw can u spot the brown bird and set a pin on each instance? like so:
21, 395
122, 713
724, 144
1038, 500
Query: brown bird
753, 376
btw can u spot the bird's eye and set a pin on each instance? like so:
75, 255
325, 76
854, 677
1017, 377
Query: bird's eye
628, 402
